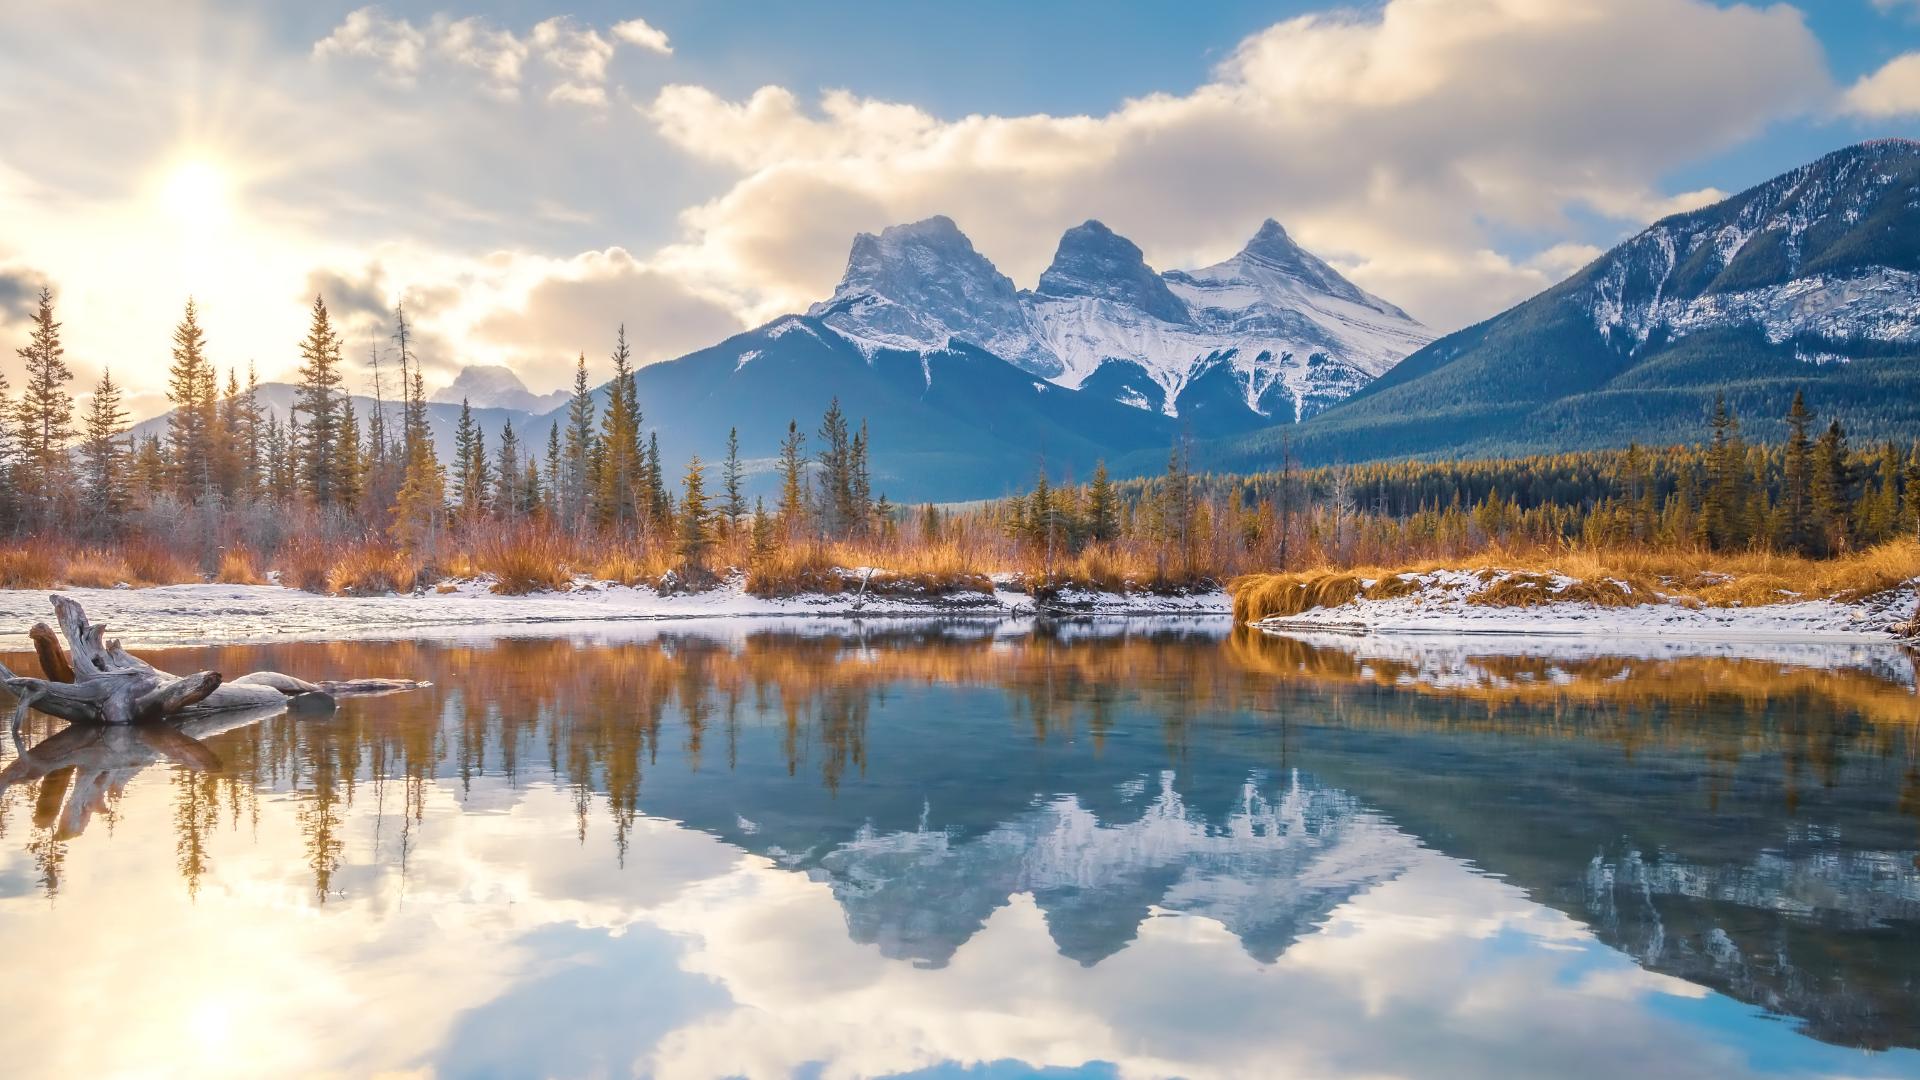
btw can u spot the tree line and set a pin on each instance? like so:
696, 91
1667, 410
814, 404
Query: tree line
225, 457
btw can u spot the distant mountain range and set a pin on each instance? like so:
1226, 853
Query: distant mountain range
1811, 280
971, 384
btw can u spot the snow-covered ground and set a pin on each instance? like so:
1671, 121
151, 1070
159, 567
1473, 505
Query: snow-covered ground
186, 614
1441, 606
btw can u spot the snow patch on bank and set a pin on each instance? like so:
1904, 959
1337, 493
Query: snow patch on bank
191, 614
1441, 604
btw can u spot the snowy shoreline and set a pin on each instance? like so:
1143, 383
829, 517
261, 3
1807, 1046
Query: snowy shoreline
247, 614
1442, 605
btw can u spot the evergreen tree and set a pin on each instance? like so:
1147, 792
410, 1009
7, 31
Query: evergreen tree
696, 524
765, 531
656, 485
512, 479
1832, 489
350, 462
1910, 514
1796, 502
736, 504
191, 386
793, 480
619, 500
1103, 519
46, 415
151, 469
554, 473
323, 464
9, 450
104, 455
582, 451
836, 459
471, 468
1722, 525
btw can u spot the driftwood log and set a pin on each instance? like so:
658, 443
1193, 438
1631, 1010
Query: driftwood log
95, 681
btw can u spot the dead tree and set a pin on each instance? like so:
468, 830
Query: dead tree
101, 683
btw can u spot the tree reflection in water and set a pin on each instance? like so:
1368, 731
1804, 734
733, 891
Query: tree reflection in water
1747, 823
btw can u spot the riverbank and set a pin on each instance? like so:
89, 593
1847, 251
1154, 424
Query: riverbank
210, 613
1509, 602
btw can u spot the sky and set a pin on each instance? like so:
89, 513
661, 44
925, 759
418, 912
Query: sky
526, 177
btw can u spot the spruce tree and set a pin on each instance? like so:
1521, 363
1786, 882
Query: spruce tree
320, 450
696, 525
191, 387
736, 504
471, 468
9, 452
554, 473
1910, 513
793, 480
656, 485
46, 415
836, 472
104, 455
1796, 502
1103, 519
350, 461
619, 500
1833, 489
508, 506
581, 448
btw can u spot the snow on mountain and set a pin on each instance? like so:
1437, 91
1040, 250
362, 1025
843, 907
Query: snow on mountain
1826, 251
1273, 333
915, 287
491, 386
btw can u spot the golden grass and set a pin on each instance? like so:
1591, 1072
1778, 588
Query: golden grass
941, 568
29, 566
154, 563
1609, 578
526, 561
373, 569
306, 564
94, 568
239, 566
631, 565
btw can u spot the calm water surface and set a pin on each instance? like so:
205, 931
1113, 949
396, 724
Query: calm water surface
964, 851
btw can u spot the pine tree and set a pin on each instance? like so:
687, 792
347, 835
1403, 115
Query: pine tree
1103, 520
1796, 504
151, 469
322, 432
191, 387
471, 469
9, 452
836, 472
350, 462
104, 455
554, 473
1910, 514
736, 504
1721, 523
793, 481
1832, 489
619, 500
507, 468
581, 449
46, 415
765, 531
696, 525
656, 485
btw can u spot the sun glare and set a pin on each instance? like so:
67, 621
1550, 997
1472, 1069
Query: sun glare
197, 193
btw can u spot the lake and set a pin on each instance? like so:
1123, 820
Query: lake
835, 850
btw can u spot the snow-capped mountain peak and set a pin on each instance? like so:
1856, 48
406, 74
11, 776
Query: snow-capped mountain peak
919, 285
493, 386
1273, 333
1095, 261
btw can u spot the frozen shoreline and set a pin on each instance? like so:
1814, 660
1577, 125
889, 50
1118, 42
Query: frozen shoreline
243, 614
1441, 606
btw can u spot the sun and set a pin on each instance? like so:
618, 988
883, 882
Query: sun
197, 193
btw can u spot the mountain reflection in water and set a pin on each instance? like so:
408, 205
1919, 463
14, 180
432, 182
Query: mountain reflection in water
727, 850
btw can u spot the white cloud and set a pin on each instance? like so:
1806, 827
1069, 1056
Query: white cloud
642, 35
393, 45
577, 56
1894, 90
1408, 135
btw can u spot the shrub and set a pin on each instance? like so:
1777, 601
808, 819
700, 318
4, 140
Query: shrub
239, 566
